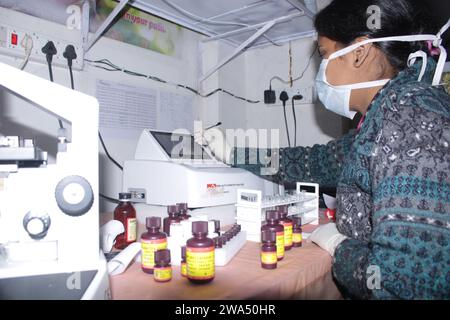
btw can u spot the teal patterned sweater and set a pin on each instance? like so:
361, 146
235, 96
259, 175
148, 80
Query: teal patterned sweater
393, 191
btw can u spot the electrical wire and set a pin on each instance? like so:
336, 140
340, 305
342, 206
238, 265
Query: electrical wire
107, 153
50, 73
108, 198
301, 75
71, 78
107, 65
27, 44
295, 122
286, 124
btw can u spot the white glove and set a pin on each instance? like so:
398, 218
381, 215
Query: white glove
327, 237
214, 140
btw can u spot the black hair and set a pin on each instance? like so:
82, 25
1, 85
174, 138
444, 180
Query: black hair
345, 20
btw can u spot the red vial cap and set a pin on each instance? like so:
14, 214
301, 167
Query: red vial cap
272, 215
153, 222
200, 227
171, 210
268, 236
162, 256
297, 221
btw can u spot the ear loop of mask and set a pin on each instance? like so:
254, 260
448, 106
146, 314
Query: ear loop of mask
412, 59
437, 42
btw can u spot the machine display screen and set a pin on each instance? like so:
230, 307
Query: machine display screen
180, 146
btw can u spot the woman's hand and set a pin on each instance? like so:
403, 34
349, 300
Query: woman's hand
327, 237
215, 142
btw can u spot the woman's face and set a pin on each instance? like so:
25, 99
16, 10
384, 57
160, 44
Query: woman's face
340, 71
366, 63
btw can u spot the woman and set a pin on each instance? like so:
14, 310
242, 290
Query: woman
392, 234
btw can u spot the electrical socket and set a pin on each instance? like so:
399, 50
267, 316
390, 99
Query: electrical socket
39, 40
308, 94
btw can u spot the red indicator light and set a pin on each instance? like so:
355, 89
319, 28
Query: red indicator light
14, 39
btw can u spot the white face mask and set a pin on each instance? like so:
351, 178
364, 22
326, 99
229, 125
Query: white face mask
337, 98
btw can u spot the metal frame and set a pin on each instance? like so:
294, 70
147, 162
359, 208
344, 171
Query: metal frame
261, 28
265, 27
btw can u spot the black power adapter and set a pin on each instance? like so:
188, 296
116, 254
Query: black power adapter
269, 96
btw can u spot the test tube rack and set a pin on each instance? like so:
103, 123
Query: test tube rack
251, 207
181, 232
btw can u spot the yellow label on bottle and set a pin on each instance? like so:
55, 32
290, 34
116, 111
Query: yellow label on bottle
148, 251
297, 238
269, 257
131, 230
280, 244
184, 269
287, 234
200, 263
163, 274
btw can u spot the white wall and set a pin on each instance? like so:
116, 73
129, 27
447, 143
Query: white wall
314, 123
248, 76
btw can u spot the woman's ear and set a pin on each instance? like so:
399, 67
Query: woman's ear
361, 53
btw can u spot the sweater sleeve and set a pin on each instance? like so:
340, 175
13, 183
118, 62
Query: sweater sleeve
320, 164
408, 256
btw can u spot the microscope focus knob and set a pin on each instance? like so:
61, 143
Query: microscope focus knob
74, 196
36, 224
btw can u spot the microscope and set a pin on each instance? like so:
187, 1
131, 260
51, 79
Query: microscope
49, 216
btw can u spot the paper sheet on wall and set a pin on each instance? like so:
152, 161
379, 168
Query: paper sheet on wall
126, 110
175, 111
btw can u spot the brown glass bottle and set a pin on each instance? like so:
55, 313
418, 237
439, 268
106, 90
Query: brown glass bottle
125, 213
268, 249
183, 262
163, 269
297, 236
172, 211
273, 224
183, 209
200, 254
152, 241
287, 224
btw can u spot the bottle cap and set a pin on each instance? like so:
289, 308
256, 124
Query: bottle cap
200, 227
153, 222
297, 221
171, 210
183, 252
124, 196
271, 215
182, 206
283, 211
268, 236
162, 256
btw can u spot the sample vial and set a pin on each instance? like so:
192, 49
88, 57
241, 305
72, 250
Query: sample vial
183, 209
125, 213
163, 269
273, 224
151, 241
269, 249
172, 211
183, 265
287, 224
200, 254
297, 236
